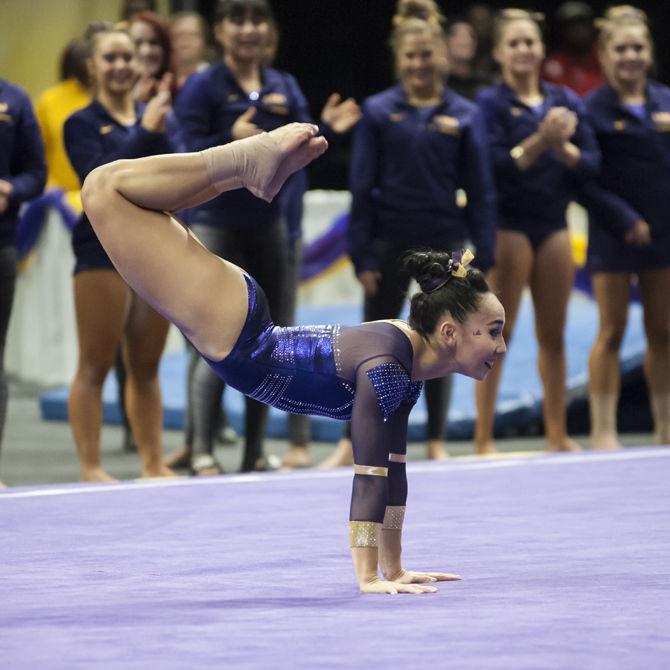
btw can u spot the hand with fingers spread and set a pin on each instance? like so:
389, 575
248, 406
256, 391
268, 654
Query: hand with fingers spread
411, 577
340, 115
244, 127
392, 588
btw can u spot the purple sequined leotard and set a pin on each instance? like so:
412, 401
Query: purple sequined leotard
362, 373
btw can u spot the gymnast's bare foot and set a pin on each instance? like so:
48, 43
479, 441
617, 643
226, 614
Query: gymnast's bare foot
343, 455
562, 444
436, 450
267, 160
485, 448
605, 442
159, 470
95, 474
296, 457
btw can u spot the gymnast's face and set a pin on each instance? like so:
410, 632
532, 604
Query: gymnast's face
113, 64
420, 60
478, 341
245, 37
520, 50
626, 56
150, 52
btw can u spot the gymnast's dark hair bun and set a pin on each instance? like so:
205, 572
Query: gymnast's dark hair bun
441, 289
429, 268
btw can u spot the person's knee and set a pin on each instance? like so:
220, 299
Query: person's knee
100, 186
93, 372
611, 336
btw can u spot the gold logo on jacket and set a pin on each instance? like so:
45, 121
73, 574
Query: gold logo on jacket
105, 130
275, 103
619, 124
3, 106
232, 97
446, 124
396, 117
516, 111
274, 99
661, 121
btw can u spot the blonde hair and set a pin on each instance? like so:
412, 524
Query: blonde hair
621, 16
416, 16
506, 16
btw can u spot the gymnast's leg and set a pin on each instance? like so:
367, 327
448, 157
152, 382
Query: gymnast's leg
156, 254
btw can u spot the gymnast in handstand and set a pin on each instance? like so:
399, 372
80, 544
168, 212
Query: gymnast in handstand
370, 373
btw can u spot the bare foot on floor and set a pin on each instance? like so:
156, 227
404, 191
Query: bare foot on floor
605, 442
157, 471
96, 474
436, 450
562, 444
296, 457
485, 448
343, 455
180, 458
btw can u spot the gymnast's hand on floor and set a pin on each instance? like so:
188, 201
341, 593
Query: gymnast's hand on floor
392, 588
410, 577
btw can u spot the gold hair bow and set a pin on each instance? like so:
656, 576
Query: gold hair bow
467, 258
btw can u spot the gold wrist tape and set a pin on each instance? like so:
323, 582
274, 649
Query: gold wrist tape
373, 470
364, 533
394, 517
398, 458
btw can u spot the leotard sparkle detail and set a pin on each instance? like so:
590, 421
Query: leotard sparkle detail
303, 369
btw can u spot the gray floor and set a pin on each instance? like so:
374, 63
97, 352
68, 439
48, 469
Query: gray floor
42, 452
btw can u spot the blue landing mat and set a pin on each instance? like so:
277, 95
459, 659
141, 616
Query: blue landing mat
519, 402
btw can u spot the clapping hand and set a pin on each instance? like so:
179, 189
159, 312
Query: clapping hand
340, 116
157, 109
558, 126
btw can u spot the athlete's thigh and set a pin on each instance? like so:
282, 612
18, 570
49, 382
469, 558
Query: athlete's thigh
101, 300
551, 282
169, 268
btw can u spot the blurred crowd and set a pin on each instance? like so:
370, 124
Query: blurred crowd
482, 142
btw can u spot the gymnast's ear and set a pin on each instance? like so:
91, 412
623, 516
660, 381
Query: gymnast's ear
446, 329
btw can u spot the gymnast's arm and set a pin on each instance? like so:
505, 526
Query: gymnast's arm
380, 486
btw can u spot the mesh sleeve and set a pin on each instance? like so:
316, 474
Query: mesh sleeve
384, 397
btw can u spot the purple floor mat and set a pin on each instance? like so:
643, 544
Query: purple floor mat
565, 559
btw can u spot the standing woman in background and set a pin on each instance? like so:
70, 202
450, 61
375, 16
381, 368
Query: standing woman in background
154, 52
22, 176
416, 145
233, 99
540, 147
629, 225
114, 126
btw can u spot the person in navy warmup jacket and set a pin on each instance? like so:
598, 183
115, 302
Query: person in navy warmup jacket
541, 146
22, 176
112, 127
629, 222
417, 144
